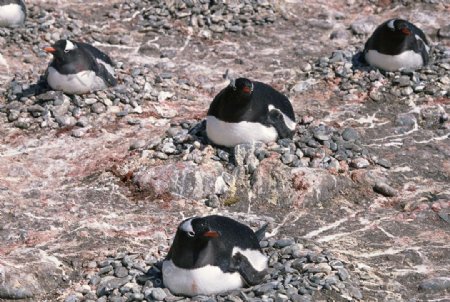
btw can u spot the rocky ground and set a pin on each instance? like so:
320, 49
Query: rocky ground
92, 187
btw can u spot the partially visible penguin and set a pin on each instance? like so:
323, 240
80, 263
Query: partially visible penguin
12, 13
397, 44
213, 254
79, 68
248, 111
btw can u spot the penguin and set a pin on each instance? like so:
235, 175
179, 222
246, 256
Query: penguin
79, 68
248, 111
397, 44
12, 13
213, 254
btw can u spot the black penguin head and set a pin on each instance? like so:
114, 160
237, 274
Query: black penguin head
242, 86
399, 26
197, 229
63, 51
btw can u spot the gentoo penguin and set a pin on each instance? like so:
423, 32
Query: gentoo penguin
12, 12
247, 111
79, 68
397, 44
213, 254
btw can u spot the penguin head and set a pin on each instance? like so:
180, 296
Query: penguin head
242, 86
63, 51
197, 229
400, 27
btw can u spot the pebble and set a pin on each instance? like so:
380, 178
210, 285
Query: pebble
350, 134
444, 32
435, 284
362, 26
384, 189
359, 163
284, 242
158, 294
139, 144
120, 272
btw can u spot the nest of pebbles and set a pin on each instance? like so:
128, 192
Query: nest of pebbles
297, 271
216, 16
316, 146
356, 77
32, 106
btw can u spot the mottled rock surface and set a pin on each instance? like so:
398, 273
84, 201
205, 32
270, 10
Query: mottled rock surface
92, 187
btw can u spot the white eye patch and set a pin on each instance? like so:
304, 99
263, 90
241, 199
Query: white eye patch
69, 46
187, 226
390, 24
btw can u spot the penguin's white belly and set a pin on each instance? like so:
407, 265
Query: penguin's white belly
11, 15
407, 59
232, 134
78, 83
205, 280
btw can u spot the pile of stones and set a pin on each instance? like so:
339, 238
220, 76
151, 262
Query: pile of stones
316, 146
44, 25
31, 106
297, 272
216, 16
357, 78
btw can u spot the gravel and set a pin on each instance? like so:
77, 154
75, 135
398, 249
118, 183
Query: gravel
297, 270
206, 17
317, 146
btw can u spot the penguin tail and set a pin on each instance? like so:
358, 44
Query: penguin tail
261, 233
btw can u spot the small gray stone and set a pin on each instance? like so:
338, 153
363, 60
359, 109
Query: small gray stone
384, 163
350, 134
281, 243
363, 26
95, 280
105, 270
78, 132
72, 298
139, 144
444, 32
359, 163
384, 189
158, 294
343, 274
98, 108
13, 115
287, 158
82, 122
65, 120
223, 155
213, 201
120, 272
136, 297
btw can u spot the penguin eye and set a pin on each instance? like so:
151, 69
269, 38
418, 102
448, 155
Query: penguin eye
191, 234
66, 50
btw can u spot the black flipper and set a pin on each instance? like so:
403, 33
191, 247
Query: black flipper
239, 263
423, 51
261, 232
103, 73
96, 53
275, 118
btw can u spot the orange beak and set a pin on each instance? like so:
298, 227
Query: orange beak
406, 31
49, 49
246, 89
211, 234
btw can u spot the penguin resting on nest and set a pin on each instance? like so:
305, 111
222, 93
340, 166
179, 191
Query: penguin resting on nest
213, 254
